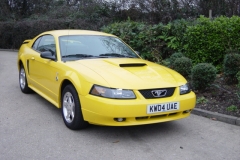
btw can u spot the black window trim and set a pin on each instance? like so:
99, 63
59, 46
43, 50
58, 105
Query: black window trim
40, 37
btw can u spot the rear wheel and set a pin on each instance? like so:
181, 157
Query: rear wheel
71, 109
23, 81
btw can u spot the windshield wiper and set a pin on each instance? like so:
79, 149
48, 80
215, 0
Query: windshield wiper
107, 55
78, 55
115, 55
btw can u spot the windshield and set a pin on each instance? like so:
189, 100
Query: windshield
75, 47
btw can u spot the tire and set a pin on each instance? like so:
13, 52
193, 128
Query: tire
71, 109
23, 81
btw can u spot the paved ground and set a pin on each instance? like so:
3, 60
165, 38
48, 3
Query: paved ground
32, 128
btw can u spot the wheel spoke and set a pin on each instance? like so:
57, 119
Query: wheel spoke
72, 114
64, 103
68, 116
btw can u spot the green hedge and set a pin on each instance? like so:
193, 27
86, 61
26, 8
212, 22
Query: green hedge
208, 40
231, 66
12, 34
154, 42
183, 66
140, 36
202, 40
238, 85
203, 75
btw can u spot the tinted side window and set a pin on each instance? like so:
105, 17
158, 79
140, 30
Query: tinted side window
46, 43
36, 43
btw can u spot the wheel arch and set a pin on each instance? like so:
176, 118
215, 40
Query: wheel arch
65, 82
20, 63
25, 66
77, 81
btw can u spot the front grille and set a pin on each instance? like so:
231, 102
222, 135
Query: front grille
147, 93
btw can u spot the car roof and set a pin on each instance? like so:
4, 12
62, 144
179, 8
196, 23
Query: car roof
75, 32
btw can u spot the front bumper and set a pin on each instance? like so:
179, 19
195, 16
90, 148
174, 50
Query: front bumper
103, 111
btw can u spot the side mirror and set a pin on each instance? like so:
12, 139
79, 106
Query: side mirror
48, 55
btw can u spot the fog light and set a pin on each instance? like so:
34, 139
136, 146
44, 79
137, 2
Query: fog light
187, 111
119, 119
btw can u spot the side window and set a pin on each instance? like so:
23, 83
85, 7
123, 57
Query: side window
35, 45
46, 43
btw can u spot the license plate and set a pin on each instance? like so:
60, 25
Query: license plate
162, 107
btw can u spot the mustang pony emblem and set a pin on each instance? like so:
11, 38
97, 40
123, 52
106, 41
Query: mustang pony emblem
159, 93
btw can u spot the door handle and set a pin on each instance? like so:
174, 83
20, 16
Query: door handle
33, 58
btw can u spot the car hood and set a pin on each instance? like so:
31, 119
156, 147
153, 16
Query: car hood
129, 73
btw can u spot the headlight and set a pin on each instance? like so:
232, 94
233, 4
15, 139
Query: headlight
184, 89
112, 92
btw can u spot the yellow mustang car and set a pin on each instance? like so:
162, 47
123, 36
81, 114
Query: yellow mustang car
96, 78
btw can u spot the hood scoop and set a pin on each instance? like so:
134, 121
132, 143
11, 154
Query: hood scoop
132, 65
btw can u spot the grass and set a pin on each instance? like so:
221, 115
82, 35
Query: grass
232, 108
202, 100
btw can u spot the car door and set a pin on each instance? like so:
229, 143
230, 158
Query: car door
44, 72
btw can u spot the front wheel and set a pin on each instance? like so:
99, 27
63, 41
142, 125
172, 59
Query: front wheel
71, 109
23, 81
